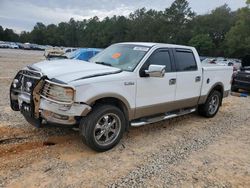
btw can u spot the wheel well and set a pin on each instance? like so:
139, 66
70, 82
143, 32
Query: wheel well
218, 88
113, 101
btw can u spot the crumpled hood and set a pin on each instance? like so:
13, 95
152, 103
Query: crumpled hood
71, 70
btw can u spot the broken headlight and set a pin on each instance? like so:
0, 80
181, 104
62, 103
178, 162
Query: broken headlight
58, 92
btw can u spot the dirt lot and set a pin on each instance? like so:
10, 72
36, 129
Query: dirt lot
188, 151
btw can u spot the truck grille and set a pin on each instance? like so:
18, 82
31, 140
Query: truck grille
26, 81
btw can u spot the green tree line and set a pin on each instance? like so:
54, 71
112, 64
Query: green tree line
222, 32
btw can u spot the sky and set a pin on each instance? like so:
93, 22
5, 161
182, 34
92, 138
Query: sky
21, 15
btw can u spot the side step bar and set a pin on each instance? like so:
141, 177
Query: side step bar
141, 122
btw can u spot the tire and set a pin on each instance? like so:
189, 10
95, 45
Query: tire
206, 109
103, 128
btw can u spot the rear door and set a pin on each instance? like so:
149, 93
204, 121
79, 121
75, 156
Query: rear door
189, 78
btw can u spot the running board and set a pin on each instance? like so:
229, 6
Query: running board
138, 123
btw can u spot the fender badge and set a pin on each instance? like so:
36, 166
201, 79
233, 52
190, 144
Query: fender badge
129, 83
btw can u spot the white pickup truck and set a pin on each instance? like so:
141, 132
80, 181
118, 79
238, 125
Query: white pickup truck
127, 84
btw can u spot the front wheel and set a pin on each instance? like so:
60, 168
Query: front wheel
212, 105
103, 127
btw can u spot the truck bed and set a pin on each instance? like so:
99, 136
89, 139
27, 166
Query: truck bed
212, 73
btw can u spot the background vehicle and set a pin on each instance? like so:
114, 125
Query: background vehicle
209, 60
3, 44
127, 84
202, 58
8, 45
84, 54
69, 50
13, 45
241, 79
54, 53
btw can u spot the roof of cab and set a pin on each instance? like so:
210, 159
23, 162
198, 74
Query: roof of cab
151, 44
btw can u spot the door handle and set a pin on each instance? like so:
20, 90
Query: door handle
197, 79
172, 81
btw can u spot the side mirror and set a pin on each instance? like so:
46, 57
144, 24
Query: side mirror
156, 71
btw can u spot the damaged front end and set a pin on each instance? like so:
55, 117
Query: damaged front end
42, 101
21, 94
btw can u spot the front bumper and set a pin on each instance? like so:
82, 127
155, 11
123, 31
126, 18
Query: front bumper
62, 114
38, 110
50, 113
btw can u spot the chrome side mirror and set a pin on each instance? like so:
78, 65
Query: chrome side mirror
156, 71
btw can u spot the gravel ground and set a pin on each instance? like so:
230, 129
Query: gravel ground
163, 163
188, 151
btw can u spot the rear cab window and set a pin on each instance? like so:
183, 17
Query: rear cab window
185, 60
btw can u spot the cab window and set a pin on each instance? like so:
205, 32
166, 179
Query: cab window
185, 60
159, 57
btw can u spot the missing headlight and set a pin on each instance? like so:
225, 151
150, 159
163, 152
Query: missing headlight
60, 93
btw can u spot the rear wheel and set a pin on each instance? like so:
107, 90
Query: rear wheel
212, 105
103, 127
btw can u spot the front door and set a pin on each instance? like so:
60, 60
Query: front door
156, 95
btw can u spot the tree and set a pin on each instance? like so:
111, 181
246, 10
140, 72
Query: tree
38, 33
178, 17
61, 33
237, 40
1, 33
203, 43
179, 12
145, 25
220, 32
9, 35
92, 32
71, 38
24, 37
51, 35
216, 25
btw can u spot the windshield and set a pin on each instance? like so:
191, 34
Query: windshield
123, 56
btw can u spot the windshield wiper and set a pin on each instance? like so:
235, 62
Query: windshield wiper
103, 63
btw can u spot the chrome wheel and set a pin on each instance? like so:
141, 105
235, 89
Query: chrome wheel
107, 129
213, 104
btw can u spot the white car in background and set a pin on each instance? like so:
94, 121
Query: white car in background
209, 61
221, 61
13, 45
